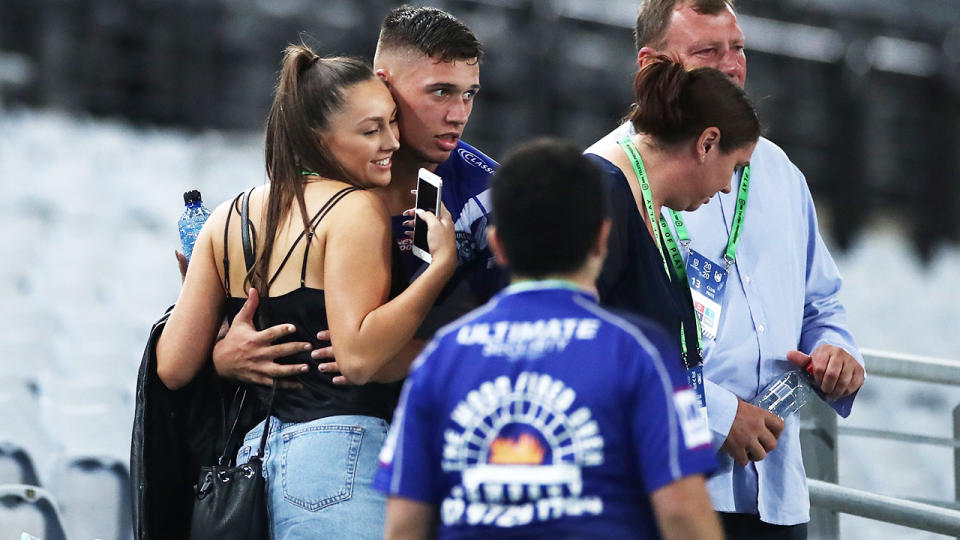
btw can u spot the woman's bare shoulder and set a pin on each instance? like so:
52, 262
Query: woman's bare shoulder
361, 204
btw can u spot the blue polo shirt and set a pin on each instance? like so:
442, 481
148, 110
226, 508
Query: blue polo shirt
542, 414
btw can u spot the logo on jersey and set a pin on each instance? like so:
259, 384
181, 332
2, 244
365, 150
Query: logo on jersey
524, 450
474, 160
466, 247
527, 339
519, 447
404, 244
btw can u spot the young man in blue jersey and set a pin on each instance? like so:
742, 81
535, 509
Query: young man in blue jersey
541, 414
431, 63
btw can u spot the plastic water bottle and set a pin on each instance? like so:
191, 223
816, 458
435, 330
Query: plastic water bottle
788, 392
192, 220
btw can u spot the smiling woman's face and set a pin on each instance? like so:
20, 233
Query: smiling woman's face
362, 136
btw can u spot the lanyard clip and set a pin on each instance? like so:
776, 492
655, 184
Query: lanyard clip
729, 262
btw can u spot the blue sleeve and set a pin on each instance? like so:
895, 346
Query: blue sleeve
824, 317
669, 429
409, 459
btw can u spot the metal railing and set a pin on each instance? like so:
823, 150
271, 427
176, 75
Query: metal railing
820, 430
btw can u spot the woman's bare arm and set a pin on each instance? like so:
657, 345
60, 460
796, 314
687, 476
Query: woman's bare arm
368, 332
190, 331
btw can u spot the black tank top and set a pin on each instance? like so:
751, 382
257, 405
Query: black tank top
305, 308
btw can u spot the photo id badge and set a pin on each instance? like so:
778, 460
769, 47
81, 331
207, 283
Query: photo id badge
695, 377
708, 281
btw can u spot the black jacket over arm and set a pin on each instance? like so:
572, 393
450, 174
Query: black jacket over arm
174, 433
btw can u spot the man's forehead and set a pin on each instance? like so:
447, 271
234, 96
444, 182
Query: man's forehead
689, 27
433, 70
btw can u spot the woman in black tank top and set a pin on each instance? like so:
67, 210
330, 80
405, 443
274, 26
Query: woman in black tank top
331, 133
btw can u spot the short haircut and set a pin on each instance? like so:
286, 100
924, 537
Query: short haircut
431, 31
549, 203
654, 18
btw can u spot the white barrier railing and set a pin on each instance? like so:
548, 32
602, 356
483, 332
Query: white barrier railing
927, 516
911, 367
917, 515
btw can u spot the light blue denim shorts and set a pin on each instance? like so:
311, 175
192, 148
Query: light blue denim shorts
319, 477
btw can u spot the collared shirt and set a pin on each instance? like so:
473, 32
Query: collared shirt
781, 295
543, 415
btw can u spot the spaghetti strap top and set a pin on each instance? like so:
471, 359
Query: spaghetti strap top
305, 308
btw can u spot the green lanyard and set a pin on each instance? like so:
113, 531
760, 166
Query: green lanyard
730, 254
660, 227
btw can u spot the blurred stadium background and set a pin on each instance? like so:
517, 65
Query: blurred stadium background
110, 110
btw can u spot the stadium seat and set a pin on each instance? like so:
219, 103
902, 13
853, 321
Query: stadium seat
16, 466
94, 497
30, 509
24, 447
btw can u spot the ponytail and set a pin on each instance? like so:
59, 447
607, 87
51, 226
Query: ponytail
310, 89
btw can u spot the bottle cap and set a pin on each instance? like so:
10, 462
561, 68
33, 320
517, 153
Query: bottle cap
809, 368
191, 197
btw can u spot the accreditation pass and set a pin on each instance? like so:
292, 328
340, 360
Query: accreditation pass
708, 282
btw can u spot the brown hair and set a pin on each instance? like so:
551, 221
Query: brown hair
431, 31
674, 104
654, 18
309, 91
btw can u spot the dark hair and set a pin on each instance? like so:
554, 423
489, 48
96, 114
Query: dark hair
431, 31
548, 205
674, 104
654, 18
309, 91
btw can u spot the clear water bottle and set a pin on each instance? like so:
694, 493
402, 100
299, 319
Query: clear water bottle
788, 392
192, 220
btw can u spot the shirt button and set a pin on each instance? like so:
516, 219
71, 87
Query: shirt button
761, 328
746, 279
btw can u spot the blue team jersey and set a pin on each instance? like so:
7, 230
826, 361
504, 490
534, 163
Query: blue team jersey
466, 194
541, 414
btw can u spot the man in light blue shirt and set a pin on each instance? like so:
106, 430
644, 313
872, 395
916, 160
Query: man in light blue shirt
780, 297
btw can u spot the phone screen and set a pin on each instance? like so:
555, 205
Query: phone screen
426, 200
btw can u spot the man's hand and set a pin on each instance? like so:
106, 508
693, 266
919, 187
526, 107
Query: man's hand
754, 433
247, 355
837, 372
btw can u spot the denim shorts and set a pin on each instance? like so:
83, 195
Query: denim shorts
319, 477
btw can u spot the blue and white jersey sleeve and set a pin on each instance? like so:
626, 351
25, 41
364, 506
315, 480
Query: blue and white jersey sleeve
669, 429
409, 459
466, 194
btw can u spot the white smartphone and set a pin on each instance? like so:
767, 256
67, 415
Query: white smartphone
428, 199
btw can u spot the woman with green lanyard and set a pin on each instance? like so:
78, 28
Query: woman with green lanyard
692, 131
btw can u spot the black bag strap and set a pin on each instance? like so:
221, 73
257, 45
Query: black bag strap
249, 259
226, 236
248, 251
